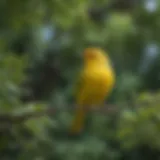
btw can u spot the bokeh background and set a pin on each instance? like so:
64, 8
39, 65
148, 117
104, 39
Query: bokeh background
41, 45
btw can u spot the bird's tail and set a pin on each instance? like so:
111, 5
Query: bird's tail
79, 121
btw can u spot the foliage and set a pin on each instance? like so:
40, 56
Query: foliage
40, 57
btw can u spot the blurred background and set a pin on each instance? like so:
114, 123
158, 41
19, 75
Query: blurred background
41, 43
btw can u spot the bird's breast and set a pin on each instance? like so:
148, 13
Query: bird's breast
99, 80
97, 84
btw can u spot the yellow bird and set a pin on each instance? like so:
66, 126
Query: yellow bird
96, 82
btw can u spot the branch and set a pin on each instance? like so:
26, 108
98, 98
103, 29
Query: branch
20, 118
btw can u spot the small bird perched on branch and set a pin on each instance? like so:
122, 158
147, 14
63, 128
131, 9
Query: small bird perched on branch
96, 81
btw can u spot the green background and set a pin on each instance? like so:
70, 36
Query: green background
41, 45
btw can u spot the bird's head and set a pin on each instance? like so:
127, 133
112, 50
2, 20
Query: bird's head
95, 55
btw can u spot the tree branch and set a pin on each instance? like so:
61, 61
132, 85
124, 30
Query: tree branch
14, 118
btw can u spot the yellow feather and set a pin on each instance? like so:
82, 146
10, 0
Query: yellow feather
96, 82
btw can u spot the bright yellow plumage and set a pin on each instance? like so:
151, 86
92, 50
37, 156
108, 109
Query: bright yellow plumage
96, 82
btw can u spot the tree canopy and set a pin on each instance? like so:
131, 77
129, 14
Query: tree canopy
41, 45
